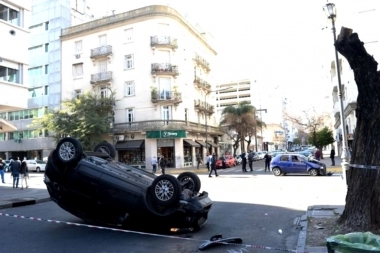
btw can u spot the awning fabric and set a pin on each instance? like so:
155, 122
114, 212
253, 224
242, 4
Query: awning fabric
6, 126
212, 144
202, 143
191, 143
127, 145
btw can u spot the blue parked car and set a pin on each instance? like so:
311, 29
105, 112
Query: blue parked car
296, 164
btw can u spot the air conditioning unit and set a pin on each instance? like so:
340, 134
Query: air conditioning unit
77, 56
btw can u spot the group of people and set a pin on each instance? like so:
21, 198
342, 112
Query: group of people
250, 159
18, 170
161, 161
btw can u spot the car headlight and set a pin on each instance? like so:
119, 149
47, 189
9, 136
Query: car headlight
322, 168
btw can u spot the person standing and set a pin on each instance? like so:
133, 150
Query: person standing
15, 170
244, 161
208, 161
213, 165
250, 159
332, 156
198, 160
224, 161
267, 159
317, 154
163, 164
2, 167
154, 164
24, 174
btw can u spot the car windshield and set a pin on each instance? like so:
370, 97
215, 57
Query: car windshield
40, 162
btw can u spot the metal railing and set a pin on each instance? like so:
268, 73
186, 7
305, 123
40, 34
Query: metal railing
101, 77
165, 41
167, 96
101, 51
164, 68
202, 83
201, 61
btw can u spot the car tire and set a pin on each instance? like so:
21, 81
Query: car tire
38, 169
106, 147
277, 171
194, 183
313, 172
70, 150
165, 190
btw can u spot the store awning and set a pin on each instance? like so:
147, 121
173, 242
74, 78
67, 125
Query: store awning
128, 145
6, 126
202, 143
213, 144
191, 143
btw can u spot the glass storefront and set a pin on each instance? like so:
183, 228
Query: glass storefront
132, 157
165, 147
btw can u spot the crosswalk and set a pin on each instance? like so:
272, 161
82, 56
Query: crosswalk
238, 169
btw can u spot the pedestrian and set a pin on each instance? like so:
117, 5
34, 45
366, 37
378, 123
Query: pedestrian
213, 165
163, 164
244, 161
267, 159
208, 161
15, 171
332, 156
24, 174
250, 159
317, 154
224, 161
154, 164
199, 159
2, 167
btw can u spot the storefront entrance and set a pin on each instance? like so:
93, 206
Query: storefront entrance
168, 153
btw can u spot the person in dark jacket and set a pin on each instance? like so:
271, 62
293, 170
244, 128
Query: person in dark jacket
163, 164
15, 167
2, 168
267, 159
332, 156
213, 165
244, 161
24, 174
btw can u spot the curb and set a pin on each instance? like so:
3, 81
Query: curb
17, 202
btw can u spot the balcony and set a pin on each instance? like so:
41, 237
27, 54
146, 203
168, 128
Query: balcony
164, 69
166, 97
201, 106
102, 77
99, 52
163, 42
202, 62
201, 84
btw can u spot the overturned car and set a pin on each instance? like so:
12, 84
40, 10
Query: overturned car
99, 190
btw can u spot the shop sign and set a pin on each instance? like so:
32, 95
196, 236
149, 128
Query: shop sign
166, 134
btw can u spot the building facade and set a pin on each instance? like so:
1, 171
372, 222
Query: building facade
158, 67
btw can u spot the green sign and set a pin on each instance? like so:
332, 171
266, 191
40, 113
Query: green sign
166, 134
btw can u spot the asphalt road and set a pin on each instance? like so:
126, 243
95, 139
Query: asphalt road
252, 206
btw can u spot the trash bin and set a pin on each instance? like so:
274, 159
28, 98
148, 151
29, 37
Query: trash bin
358, 242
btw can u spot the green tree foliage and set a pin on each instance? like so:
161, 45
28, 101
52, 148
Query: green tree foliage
323, 137
86, 118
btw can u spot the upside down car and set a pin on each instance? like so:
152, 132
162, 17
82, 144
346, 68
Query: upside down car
99, 190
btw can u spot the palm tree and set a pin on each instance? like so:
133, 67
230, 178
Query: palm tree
239, 122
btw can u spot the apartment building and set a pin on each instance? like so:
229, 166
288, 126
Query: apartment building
37, 43
14, 23
159, 67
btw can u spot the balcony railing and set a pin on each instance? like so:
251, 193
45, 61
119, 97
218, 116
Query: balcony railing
121, 128
167, 97
163, 41
202, 62
101, 52
164, 69
102, 77
203, 106
202, 84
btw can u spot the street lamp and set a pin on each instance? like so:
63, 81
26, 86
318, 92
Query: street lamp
206, 126
331, 14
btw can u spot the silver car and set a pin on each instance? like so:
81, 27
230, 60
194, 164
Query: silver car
36, 165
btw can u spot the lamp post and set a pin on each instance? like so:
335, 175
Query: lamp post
206, 126
261, 119
331, 14
112, 114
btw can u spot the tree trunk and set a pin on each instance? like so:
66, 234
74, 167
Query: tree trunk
363, 195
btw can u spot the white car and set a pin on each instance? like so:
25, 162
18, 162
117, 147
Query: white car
36, 165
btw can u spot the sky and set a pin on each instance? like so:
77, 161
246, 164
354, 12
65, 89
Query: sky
284, 47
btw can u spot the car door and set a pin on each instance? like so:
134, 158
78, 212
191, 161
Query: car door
285, 164
32, 165
298, 165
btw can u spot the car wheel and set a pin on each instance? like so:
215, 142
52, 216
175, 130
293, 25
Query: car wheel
70, 150
313, 172
165, 190
277, 172
106, 147
38, 169
190, 181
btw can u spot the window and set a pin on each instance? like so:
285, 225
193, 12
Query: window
35, 50
128, 35
128, 61
103, 40
78, 47
46, 47
186, 113
9, 15
284, 158
47, 90
9, 75
36, 92
46, 69
77, 93
130, 114
129, 88
78, 70
47, 26
36, 71
36, 28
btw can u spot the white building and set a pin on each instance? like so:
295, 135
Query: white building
159, 67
